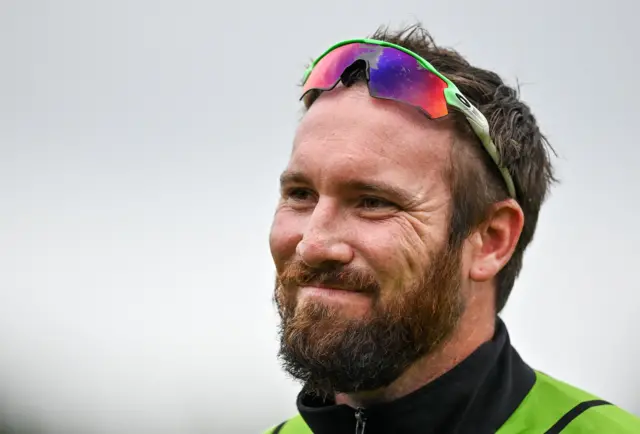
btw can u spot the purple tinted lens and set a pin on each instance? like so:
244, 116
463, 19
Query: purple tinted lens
398, 76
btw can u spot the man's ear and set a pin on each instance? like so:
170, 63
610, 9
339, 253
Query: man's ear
495, 240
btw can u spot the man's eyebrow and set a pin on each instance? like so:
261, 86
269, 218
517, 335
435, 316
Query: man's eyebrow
373, 187
290, 177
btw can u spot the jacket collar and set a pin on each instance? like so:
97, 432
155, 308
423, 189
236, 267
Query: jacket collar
476, 396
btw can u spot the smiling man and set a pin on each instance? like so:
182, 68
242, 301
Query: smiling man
402, 223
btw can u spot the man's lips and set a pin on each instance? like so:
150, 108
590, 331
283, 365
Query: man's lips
334, 294
330, 287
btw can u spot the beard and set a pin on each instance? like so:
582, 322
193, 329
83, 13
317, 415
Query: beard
333, 353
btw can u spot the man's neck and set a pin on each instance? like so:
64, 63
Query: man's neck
473, 330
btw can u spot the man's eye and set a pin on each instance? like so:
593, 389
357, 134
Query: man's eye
373, 203
298, 194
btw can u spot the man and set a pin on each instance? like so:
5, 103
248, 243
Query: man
401, 228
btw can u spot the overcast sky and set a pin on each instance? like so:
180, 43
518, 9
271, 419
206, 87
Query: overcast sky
141, 142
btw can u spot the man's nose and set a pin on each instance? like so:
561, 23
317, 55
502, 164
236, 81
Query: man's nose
323, 239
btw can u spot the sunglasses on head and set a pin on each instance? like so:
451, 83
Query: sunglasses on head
398, 74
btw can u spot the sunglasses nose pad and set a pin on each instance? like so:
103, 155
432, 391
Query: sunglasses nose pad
357, 71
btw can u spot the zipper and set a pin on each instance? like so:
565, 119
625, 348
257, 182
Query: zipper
361, 421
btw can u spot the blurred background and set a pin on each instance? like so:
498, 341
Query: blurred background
140, 147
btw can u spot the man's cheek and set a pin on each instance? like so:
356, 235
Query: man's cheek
398, 257
284, 238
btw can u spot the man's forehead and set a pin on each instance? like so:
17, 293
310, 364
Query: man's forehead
348, 124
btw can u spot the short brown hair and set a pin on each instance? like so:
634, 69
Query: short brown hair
476, 183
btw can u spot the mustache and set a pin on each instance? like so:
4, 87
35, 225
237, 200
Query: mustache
297, 273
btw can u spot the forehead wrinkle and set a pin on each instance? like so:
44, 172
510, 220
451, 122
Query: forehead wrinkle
342, 134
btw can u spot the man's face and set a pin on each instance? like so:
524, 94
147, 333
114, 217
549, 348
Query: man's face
367, 282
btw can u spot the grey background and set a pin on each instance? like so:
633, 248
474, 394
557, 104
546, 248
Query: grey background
141, 143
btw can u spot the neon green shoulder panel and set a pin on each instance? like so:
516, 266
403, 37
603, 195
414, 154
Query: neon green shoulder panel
295, 425
550, 399
606, 418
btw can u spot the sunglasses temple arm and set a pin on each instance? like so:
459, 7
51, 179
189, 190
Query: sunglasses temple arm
481, 127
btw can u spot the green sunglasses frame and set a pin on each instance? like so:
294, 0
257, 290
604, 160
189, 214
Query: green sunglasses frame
453, 97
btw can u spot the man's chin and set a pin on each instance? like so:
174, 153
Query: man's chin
330, 355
